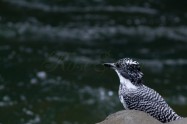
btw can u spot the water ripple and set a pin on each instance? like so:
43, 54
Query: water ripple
26, 30
54, 8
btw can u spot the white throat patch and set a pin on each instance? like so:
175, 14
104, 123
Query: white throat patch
126, 82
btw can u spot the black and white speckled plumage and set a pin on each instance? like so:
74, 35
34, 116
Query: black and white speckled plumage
134, 95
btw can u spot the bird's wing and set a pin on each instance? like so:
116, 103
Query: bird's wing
157, 110
152, 95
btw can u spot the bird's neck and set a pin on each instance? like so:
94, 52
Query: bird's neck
126, 82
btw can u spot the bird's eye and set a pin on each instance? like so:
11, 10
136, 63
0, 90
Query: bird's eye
117, 65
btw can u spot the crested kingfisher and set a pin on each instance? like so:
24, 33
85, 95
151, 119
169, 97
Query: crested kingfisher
134, 95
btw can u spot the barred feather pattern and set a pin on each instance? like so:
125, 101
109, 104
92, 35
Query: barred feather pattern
148, 100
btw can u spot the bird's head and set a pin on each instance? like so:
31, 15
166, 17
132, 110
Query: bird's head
127, 69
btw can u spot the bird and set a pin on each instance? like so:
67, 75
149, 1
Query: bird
134, 95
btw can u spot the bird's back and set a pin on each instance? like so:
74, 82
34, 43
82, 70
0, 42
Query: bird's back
147, 100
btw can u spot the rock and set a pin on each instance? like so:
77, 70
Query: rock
130, 117
181, 121
135, 117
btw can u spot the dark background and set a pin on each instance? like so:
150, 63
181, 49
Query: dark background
51, 53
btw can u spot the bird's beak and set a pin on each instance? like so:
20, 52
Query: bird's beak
110, 65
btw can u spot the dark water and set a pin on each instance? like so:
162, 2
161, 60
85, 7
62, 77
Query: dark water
51, 54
